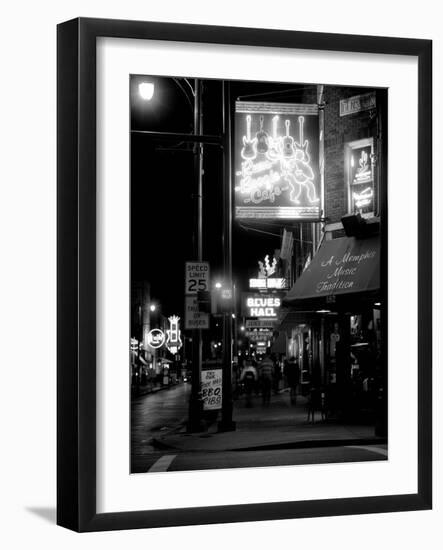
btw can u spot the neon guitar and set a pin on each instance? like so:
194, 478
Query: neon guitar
248, 151
287, 142
262, 139
273, 153
303, 170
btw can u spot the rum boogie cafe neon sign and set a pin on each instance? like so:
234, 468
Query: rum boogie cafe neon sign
276, 161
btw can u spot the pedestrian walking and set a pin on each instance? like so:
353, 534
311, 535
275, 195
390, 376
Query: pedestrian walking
249, 379
292, 373
266, 378
277, 375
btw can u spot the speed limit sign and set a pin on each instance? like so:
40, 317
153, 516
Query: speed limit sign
196, 277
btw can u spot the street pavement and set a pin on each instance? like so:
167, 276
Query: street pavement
153, 414
265, 436
162, 462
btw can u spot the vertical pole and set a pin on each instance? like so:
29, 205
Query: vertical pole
322, 351
302, 250
381, 428
321, 154
226, 423
195, 402
321, 167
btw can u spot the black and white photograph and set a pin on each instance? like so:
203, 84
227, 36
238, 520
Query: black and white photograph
220, 284
258, 274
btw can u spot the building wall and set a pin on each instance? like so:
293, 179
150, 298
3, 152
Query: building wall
338, 131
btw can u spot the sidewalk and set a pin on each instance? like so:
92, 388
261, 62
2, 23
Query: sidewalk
278, 425
148, 389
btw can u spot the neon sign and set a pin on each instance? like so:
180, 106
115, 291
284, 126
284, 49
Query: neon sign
276, 174
173, 339
267, 269
364, 198
264, 306
274, 282
361, 190
155, 338
135, 344
363, 174
266, 276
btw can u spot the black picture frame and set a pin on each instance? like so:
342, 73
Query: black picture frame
76, 264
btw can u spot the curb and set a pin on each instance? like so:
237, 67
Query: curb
156, 390
305, 444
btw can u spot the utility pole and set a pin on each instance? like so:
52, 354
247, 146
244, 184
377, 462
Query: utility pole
226, 423
195, 402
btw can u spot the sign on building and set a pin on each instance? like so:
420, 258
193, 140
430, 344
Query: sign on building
359, 158
156, 338
259, 335
287, 244
357, 103
277, 283
260, 323
211, 389
263, 306
276, 161
173, 338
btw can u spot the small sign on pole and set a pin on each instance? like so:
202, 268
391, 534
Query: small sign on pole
196, 281
194, 318
211, 388
196, 277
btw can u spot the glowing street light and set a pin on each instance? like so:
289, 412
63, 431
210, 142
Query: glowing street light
218, 284
146, 90
152, 307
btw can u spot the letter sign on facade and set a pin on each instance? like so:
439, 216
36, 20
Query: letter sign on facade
262, 306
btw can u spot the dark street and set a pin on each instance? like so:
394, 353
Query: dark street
153, 414
276, 435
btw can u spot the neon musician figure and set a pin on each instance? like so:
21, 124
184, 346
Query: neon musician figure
298, 172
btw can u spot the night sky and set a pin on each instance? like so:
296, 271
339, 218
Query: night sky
163, 184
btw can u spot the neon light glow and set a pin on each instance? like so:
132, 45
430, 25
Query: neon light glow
364, 198
173, 339
263, 283
155, 338
263, 306
266, 269
363, 173
134, 344
276, 164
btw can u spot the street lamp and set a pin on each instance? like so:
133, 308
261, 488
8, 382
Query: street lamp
146, 90
152, 307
